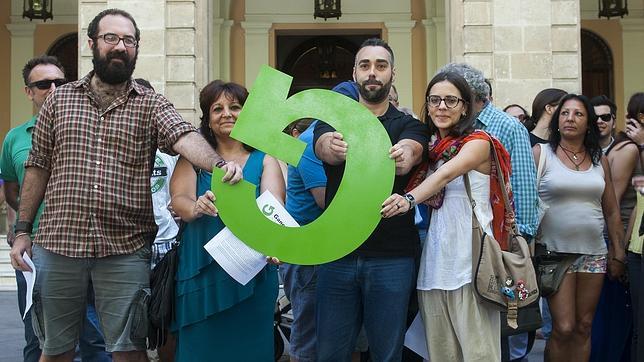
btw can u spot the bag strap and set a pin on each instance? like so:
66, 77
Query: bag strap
499, 173
542, 163
504, 192
475, 220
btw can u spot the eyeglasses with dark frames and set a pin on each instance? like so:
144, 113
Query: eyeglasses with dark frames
450, 101
605, 117
46, 83
113, 39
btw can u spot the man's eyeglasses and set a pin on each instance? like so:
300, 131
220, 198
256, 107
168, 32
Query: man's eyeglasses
450, 101
46, 83
114, 39
605, 117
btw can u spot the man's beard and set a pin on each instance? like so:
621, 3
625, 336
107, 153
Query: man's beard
113, 72
374, 96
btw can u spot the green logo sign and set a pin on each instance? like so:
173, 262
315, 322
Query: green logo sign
368, 175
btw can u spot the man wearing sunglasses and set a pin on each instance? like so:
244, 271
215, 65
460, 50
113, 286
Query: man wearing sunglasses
41, 76
605, 110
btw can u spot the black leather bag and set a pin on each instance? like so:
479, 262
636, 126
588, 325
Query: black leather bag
161, 309
551, 268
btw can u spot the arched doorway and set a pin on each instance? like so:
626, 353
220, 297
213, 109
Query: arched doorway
66, 50
318, 61
596, 65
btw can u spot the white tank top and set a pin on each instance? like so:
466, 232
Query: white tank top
446, 262
574, 221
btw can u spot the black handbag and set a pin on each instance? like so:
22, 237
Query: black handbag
161, 309
528, 319
551, 268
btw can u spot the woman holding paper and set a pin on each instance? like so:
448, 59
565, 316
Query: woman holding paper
217, 318
454, 320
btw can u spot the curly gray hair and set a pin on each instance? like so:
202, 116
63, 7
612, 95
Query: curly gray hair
474, 77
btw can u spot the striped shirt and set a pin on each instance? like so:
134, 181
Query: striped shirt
514, 137
98, 200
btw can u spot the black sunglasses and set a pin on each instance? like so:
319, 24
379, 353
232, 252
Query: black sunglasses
46, 83
605, 117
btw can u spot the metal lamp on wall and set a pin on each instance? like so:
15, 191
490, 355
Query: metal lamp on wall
613, 8
327, 9
37, 9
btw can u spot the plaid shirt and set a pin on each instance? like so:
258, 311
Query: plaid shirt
98, 200
514, 137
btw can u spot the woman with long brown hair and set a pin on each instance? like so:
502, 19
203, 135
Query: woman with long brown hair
577, 186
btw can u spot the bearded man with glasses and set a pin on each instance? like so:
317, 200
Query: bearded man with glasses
42, 75
92, 153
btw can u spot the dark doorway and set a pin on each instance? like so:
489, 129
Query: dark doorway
596, 66
66, 50
318, 61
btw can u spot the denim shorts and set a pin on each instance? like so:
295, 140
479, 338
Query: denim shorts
121, 287
589, 264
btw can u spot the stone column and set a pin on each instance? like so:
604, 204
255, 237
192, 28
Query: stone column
256, 44
225, 49
436, 45
399, 38
22, 49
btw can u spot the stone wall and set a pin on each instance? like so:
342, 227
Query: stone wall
523, 46
172, 50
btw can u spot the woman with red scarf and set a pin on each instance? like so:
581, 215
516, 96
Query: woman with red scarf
457, 326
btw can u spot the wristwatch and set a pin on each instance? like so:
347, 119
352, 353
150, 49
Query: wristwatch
23, 227
411, 199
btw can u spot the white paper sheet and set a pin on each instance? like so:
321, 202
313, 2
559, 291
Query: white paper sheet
240, 261
30, 277
415, 338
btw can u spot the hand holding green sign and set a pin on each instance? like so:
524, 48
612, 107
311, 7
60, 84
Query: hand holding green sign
368, 176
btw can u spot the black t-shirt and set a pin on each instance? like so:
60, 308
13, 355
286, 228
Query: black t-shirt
536, 139
396, 236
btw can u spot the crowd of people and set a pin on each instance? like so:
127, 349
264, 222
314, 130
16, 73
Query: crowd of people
122, 176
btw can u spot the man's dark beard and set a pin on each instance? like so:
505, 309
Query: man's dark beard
374, 96
113, 73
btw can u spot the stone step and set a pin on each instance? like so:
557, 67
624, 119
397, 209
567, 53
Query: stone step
7, 274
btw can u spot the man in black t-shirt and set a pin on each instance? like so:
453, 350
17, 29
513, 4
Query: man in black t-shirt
372, 285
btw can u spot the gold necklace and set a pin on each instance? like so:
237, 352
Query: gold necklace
574, 154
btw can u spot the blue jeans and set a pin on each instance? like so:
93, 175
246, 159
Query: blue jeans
299, 287
31, 352
636, 282
91, 343
357, 290
546, 327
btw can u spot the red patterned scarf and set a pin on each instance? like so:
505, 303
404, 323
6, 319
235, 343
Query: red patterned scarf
445, 149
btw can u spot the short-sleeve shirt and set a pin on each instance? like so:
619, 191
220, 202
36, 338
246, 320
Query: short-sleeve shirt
514, 137
100, 160
15, 149
396, 236
160, 187
308, 175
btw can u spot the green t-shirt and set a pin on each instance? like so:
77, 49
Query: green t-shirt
15, 151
